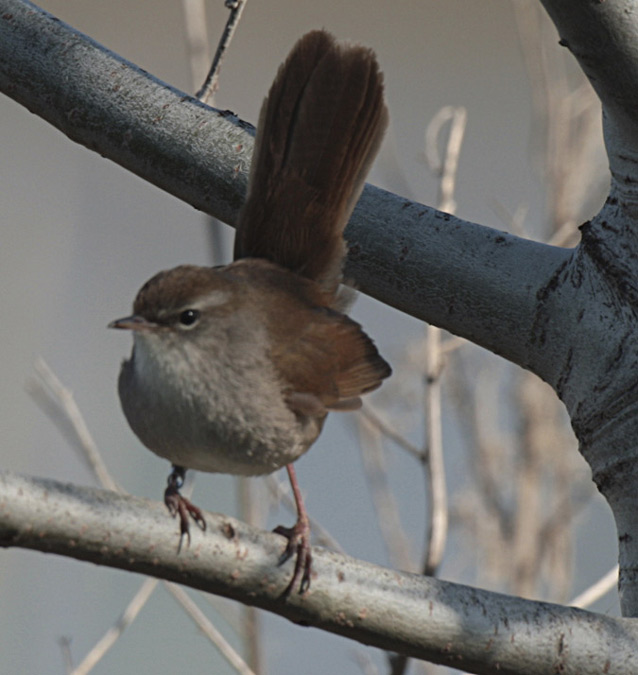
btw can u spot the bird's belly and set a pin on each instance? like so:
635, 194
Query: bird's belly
216, 455
250, 437
241, 425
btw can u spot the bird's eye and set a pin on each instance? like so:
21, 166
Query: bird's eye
189, 317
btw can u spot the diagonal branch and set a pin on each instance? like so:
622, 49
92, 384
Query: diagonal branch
429, 264
425, 618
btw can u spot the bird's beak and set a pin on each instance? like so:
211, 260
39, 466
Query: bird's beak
133, 322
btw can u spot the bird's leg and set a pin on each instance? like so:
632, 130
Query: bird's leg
177, 504
298, 540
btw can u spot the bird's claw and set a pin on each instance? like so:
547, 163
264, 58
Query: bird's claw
179, 505
298, 545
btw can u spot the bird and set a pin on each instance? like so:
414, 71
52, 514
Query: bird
234, 368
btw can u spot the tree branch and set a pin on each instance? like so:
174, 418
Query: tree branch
116, 109
427, 263
601, 36
425, 618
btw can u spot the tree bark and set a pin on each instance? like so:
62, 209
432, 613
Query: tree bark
468, 628
599, 373
475, 281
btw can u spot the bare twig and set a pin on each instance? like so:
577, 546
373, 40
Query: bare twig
514, 222
447, 168
65, 646
567, 144
194, 12
208, 89
434, 466
64, 411
486, 441
432, 455
67, 415
396, 540
367, 665
374, 418
112, 634
451, 344
209, 630
589, 596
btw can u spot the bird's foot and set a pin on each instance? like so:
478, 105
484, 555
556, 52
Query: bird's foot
298, 545
179, 505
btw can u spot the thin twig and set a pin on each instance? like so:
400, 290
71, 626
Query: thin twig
194, 12
566, 123
396, 540
374, 418
435, 466
487, 448
365, 663
65, 646
112, 634
589, 596
209, 630
208, 89
447, 167
433, 463
566, 234
514, 222
65, 410
451, 344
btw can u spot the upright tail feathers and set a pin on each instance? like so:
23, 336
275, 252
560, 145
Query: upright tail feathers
319, 131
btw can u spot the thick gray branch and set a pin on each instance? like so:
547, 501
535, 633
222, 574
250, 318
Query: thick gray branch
603, 36
597, 346
474, 281
430, 619
113, 107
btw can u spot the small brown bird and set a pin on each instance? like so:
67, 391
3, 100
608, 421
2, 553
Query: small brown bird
235, 368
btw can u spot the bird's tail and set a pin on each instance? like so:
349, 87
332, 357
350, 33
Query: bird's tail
319, 131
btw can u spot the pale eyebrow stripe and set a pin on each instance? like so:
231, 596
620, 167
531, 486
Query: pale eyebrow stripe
212, 299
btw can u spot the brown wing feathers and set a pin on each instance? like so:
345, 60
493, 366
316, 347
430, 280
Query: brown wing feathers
333, 359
